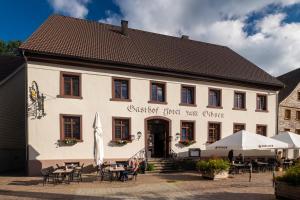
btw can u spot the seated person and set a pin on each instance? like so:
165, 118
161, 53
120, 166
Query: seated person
131, 170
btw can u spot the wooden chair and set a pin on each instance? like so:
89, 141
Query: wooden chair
48, 175
77, 174
105, 173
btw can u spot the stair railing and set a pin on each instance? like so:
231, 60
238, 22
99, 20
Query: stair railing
140, 155
173, 154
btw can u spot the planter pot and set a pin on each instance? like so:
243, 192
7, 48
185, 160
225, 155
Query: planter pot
284, 190
215, 175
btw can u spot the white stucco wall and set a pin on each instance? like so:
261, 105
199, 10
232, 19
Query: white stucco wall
96, 92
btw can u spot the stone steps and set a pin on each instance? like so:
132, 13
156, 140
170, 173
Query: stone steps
162, 165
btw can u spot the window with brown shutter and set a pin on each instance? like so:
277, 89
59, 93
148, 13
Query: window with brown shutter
70, 85
214, 132
261, 130
71, 127
157, 92
214, 98
120, 89
238, 127
261, 102
187, 95
121, 128
239, 100
187, 131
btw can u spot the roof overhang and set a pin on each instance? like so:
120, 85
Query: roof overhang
117, 66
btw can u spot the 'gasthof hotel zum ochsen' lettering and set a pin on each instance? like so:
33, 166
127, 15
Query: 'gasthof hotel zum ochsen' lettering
168, 111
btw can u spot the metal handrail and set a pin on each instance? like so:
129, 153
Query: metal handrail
140, 155
173, 154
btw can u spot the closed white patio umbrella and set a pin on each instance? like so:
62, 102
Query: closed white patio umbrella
288, 137
244, 140
99, 147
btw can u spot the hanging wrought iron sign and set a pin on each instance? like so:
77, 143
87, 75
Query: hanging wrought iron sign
36, 107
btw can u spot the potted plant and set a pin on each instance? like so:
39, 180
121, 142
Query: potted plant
187, 142
288, 185
68, 141
214, 168
120, 142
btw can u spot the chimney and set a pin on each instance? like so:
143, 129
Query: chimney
186, 37
124, 27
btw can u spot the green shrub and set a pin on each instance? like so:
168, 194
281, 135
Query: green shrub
150, 167
213, 165
291, 175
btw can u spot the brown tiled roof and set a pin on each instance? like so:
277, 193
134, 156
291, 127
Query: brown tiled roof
8, 64
70, 37
290, 80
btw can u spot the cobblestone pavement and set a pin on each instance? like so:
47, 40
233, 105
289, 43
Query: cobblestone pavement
167, 186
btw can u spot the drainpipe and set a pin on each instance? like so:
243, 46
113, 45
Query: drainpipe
26, 115
277, 113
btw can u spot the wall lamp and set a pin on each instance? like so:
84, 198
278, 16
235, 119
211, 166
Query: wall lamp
139, 135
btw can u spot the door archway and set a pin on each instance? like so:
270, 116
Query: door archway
157, 137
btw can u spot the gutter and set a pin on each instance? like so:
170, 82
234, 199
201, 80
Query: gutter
92, 63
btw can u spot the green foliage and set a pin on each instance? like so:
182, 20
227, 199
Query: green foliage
150, 167
291, 175
187, 143
186, 164
213, 165
10, 47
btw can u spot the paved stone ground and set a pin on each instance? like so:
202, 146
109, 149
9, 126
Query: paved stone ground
167, 186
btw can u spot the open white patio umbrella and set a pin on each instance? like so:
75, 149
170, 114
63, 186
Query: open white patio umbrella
99, 147
288, 137
244, 140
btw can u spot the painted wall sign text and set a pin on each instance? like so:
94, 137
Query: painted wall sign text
171, 112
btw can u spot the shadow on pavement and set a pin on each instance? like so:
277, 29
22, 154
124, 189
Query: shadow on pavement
147, 196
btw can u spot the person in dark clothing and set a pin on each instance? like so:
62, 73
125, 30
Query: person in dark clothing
230, 155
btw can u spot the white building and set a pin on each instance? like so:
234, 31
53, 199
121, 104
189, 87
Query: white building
158, 93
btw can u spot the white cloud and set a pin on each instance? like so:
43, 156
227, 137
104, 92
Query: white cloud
74, 8
274, 47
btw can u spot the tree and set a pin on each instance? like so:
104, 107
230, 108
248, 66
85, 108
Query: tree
10, 47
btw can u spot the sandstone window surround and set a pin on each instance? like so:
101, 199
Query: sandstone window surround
214, 98
158, 92
70, 85
261, 103
239, 100
121, 128
238, 127
187, 131
70, 127
120, 89
261, 129
188, 95
214, 132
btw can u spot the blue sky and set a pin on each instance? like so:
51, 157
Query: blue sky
267, 32
19, 18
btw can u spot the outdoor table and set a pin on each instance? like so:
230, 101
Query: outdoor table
238, 166
262, 166
63, 173
116, 171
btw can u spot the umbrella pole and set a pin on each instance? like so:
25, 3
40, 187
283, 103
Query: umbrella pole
250, 172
